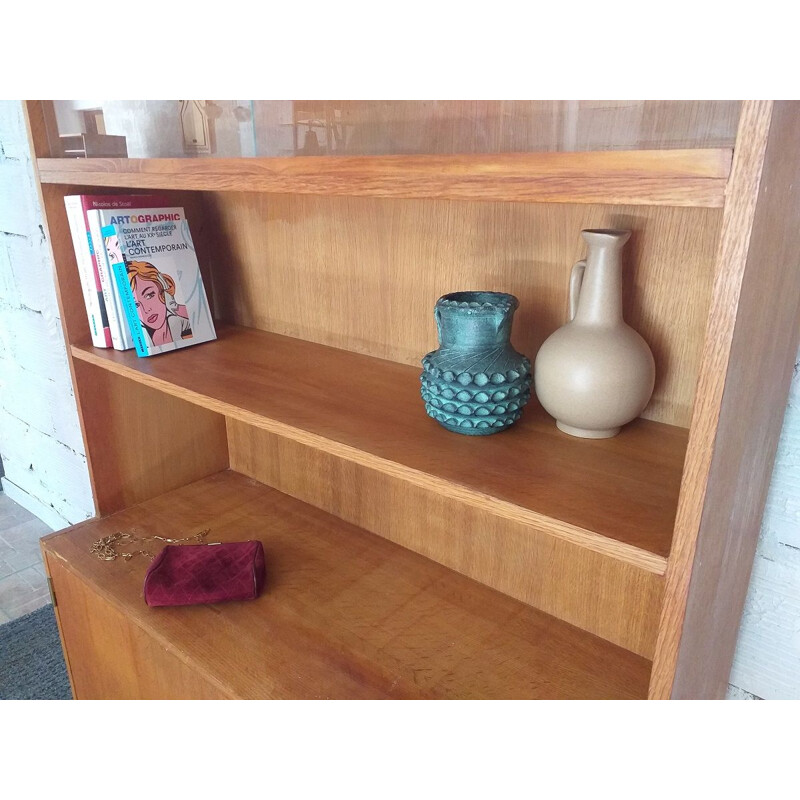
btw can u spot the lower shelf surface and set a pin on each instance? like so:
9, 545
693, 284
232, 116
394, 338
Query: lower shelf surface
344, 613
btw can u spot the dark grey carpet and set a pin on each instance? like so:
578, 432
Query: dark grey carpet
31, 662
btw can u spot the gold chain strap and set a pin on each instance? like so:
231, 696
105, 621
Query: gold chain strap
106, 548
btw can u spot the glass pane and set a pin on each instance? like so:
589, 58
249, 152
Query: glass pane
236, 128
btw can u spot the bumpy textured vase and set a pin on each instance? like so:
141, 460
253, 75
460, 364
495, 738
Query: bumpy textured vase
595, 373
475, 383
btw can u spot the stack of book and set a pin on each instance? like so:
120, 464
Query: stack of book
139, 273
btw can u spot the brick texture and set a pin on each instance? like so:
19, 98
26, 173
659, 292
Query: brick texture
40, 441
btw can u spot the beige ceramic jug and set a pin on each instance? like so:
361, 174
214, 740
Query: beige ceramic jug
595, 373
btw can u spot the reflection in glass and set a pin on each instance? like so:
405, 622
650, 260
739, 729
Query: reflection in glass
235, 128
196, 127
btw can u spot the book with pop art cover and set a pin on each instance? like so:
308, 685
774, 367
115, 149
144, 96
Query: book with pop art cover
118, 333
157, 278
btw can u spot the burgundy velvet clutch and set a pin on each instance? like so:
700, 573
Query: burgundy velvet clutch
183, 575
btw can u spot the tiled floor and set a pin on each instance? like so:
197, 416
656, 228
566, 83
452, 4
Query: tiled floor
23, 586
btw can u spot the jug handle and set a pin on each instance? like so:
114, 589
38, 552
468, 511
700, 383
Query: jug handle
575, 283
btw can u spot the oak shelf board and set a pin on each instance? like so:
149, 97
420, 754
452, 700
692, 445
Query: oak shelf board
344, 613
615, 496
633, 177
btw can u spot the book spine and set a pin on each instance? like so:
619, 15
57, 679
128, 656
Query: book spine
129, 306
120, 335
82, 256
93, 273
98, 289
128, 300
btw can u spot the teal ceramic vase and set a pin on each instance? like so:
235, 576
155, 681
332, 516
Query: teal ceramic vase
475, 383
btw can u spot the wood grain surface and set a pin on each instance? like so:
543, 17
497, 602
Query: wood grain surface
748, 357
601, 594
344, 614
71, 307
140, 442
651, 177
364, 274
615, 496
109, 658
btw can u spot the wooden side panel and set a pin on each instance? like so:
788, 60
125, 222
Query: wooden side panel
140, 442
615, 600
364, 274
68, 286
747, 362
44, 129
112, 658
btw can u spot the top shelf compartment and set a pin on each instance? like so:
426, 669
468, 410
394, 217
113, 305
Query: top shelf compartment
695, 178
278, 128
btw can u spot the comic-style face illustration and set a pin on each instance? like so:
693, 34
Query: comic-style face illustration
114, 250
152, 311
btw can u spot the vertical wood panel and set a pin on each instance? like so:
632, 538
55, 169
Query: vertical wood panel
140, 442
71, 303
742, 394
42, 126
110, 657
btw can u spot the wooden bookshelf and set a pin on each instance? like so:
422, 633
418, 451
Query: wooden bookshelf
556, 567
647, 177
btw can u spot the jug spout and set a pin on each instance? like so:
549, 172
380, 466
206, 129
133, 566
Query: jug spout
599, 298
605, 237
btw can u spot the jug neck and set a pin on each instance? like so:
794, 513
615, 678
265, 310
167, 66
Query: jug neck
475, 320
600, 299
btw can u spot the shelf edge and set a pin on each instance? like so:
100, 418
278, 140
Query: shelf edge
694, 178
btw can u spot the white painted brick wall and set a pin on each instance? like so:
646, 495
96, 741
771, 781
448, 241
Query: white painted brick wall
767, 661
40, 439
